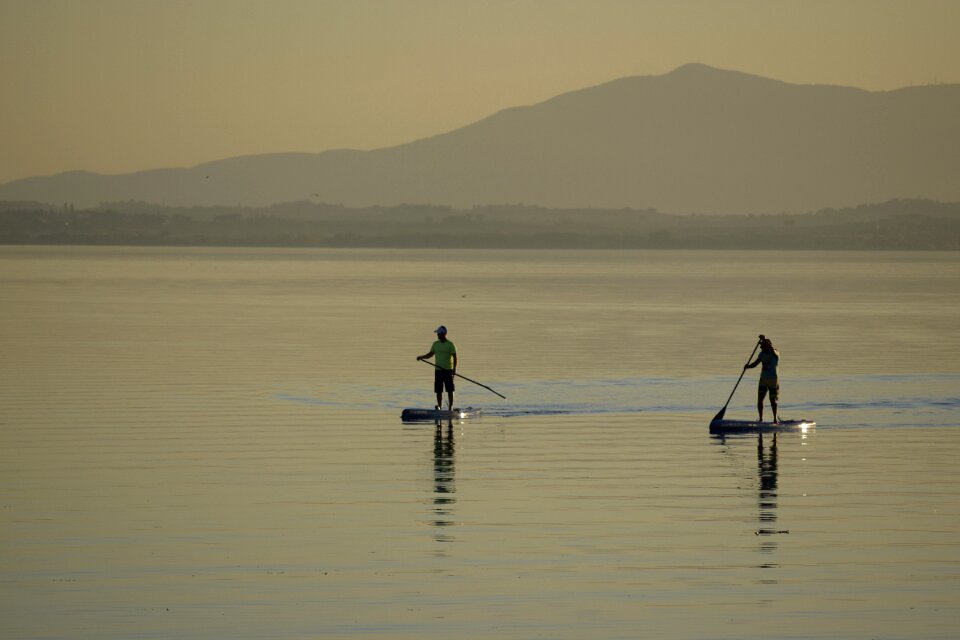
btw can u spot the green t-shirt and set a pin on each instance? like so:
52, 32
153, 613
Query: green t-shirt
443, 353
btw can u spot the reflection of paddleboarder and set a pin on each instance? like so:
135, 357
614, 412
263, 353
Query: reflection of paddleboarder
444, 353
443, 464
767, 468
769, 380
444, 486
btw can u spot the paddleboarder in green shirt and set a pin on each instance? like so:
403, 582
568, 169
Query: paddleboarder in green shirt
769, 380
444, 354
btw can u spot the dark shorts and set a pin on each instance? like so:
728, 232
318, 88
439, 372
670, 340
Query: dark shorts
773, 386
442, 378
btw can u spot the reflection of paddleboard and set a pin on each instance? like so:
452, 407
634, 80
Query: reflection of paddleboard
429, 415
753, 426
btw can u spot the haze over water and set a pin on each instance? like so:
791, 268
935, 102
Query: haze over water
206, 443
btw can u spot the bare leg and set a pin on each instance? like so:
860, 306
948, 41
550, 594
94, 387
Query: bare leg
439, 399
773, 406
450, 400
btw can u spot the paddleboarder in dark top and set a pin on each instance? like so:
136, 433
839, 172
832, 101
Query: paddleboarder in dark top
444, 353
769, 380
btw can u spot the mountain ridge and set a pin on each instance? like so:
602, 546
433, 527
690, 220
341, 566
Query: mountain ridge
697, 139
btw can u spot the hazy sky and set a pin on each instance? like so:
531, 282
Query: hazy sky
121, 85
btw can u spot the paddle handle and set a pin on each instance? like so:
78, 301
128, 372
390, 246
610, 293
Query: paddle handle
479, 384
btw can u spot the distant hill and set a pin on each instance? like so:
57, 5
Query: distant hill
897, 224
698, 139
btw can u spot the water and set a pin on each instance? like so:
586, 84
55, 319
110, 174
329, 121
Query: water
205, 443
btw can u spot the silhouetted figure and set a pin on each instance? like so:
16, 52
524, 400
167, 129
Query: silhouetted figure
444, 353
769, 380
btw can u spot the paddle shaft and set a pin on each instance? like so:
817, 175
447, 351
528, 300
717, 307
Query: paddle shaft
719, 415
436, 366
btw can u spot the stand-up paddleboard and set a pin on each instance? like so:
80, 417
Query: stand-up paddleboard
431, 415
754, 426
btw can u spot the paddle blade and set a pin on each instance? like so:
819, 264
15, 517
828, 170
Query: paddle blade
719, 415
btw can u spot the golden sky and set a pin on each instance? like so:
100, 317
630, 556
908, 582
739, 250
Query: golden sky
115, 86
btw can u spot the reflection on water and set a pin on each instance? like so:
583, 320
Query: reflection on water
444, 483
767, 474
767, 498
191, 447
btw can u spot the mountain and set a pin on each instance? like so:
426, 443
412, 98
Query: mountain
697, 139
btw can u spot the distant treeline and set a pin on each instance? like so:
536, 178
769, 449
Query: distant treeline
897, 224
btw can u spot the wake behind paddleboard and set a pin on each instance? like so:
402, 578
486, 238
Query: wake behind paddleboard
755, 426
431, 415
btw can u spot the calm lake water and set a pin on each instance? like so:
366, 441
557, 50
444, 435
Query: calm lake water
205, 443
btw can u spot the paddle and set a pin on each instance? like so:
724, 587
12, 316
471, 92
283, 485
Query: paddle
436, 366
720, 413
